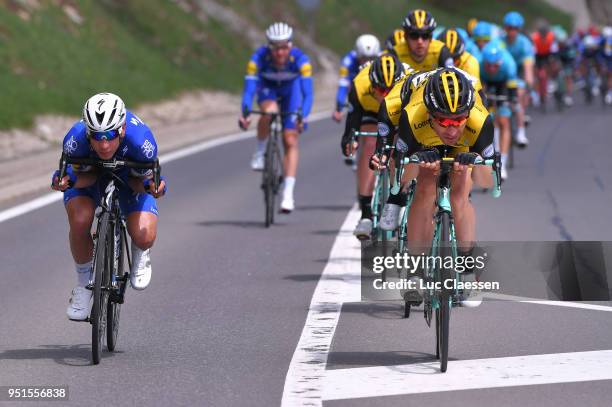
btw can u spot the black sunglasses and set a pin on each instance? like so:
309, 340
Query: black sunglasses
416, 36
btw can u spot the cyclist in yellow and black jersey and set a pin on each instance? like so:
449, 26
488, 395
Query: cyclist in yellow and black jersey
391, 107
461, 58
442, 117
417, 48
368, 89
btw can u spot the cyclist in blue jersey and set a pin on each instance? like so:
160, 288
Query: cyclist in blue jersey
499, 77
483, 33
522, 51
109, 131
279, 73
367, 47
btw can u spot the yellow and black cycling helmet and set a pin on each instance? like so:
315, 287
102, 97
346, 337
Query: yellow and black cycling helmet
385, 71
453, 41
448, 92
419, 21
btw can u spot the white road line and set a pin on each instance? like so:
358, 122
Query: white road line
166, 158
339, 283
468, 374
568, 304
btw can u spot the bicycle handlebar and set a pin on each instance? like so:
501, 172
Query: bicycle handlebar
494, 163
110, 165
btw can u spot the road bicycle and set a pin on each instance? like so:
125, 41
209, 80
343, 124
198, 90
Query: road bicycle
272, 177
438, 299
109, 277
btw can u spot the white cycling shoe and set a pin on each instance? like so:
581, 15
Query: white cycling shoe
521, 139
471, 298
140, 275
78, 310
287, 205
257, 162
363, 230
390, 216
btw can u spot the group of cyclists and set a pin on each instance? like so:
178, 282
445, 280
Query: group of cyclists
429, 92
507, 69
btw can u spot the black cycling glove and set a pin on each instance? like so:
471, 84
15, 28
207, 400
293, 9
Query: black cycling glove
428, 156
466, 158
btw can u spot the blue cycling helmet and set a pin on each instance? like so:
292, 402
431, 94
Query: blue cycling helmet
492, 54
482, 30
514, 19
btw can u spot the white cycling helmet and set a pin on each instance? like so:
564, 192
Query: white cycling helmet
279, 32
590, 42
104, 112
367, 46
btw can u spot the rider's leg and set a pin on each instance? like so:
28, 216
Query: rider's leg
365, 176
502, 120
142, 228
463, 211
420, 219
80, 210
521, 137
263, 127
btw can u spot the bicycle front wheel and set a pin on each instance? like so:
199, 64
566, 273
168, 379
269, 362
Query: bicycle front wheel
101, 272
443, 310
113, 309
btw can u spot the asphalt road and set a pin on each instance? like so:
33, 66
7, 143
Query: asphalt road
226, 307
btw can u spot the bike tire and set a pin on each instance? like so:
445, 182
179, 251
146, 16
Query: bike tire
443, 310
268, 182
100, 295
113, 310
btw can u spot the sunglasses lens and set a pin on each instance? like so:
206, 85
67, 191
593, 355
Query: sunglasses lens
104, 135
450, 122
416, 36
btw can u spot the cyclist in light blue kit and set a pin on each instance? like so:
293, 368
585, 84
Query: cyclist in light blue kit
498, 75
522, 51
279, 72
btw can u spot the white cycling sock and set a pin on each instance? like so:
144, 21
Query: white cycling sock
289, 184
504, 159
261, 145
83, 271
496, 138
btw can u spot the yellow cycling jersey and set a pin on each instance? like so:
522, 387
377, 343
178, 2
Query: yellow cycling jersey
468, 63
364, 91
416, 131
437, 55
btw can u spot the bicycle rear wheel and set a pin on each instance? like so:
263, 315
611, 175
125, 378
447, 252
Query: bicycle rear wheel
443, 310
101, 272
113, 310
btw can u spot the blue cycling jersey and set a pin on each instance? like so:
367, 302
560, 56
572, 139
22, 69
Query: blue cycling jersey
263, 74
521, 49
138, 143
349, 68
507, 71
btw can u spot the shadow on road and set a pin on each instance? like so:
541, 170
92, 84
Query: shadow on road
245, 224
339, 360
340, 208
69, 355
